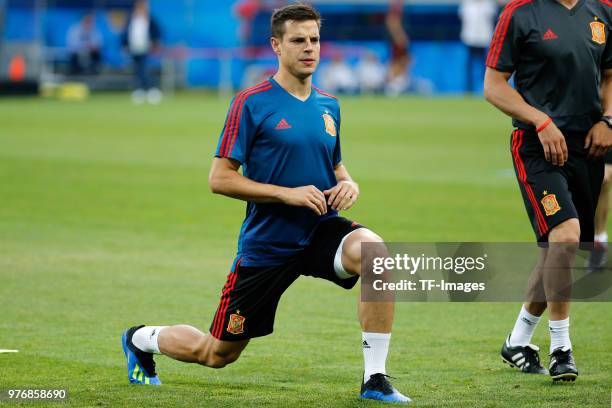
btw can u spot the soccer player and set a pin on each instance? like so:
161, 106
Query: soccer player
559, 53
398, 78
285, 133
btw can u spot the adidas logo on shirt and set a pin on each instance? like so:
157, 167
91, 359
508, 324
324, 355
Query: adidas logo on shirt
282, 125
549, 35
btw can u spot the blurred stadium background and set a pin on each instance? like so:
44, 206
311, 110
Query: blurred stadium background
224, 45
106, 219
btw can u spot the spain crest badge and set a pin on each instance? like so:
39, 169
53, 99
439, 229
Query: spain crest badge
550, 204
598, 30
330, 125
236, 323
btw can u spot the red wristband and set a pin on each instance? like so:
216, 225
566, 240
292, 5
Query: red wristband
544, 125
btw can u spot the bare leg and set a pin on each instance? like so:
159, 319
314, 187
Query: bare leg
557, 271
375, 317
536, 297
190, 345
601, 215
549, 285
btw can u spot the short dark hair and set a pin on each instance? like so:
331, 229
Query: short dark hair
294, 12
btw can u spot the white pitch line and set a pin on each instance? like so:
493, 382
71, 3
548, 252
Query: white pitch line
8, 351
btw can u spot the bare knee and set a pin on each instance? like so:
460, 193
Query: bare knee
567, 232
351, 251
218, 359
217, 354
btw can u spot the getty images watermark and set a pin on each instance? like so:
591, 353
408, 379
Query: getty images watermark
468, 272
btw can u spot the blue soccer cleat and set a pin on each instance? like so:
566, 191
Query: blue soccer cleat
380, 389
140, 365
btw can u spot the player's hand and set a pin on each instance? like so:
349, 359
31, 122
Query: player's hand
306, 196
343, 195
553, 142
598, 140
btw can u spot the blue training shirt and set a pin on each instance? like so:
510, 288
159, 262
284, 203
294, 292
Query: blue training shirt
287, 142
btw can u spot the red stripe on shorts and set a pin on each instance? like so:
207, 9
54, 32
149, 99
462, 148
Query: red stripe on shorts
224, 303
518, 142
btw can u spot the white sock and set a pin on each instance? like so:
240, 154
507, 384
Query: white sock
523, 328
145, 338
559, 334
603, 237
375, 349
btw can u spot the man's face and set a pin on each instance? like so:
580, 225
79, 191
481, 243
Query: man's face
88, 22
141, 8
299, 48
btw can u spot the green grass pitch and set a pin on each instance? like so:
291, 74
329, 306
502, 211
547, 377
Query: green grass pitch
106, 221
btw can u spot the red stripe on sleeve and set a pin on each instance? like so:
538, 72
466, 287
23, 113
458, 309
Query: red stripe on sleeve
236, 125
239, 101
498, 31
231, 117
497, 40
502, 31
228, 122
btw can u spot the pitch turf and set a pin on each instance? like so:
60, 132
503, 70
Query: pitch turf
106, 221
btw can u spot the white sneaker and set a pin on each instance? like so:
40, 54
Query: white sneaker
154, 96
138, 97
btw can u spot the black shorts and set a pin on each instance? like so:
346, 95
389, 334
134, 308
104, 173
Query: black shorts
608, 157
554, 194
251, 294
